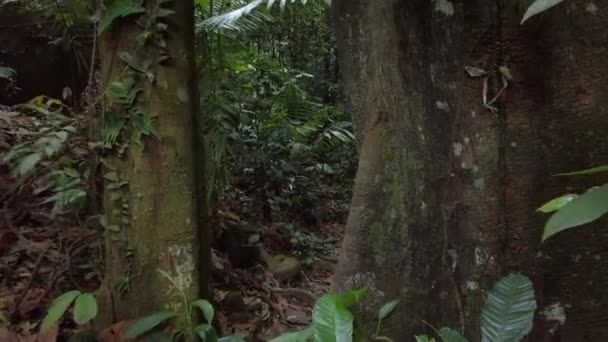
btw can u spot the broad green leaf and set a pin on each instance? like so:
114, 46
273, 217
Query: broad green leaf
584, 209
509, 310
119, 9
424, 338
206, 332
557, 203
58, 308
332, 321
539, 6
27, 164
145, 324
85, 308
352, 297
297, 336
387, 308
206, 308
449, 335
591, 171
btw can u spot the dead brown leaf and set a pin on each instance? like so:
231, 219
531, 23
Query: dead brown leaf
115, 332
50, 335
8, 336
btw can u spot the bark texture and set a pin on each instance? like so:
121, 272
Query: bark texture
446, 190
164, 230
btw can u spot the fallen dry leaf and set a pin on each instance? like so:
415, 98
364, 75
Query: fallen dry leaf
115, 332
50, 335
8, 336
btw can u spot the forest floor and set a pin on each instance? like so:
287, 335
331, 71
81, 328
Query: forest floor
42, 257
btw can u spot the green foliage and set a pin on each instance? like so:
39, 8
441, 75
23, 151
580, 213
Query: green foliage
384, 311
119, 9
146, 324
506, 317
509, 310
229, 20
583, 209
85, 309
556, 203
539, 6
591, 171
205, 331
331, 320
449, 335
48, 157
573, 210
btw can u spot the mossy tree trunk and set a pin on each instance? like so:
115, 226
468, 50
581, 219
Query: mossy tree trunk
153, 196
446, 191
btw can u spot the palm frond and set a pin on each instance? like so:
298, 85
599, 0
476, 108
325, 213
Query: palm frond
231, 20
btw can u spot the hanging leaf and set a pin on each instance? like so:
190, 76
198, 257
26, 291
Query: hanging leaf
58, 308
557, 203
119, 9
148, 323
539, 6
449, 335
206, 308
591, 171
85, 308
585, 208
509, 310
387, 308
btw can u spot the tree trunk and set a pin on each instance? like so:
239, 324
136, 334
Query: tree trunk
153, 199
446, 191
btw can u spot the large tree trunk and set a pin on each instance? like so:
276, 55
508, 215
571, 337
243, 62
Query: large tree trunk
153, 201
445, 195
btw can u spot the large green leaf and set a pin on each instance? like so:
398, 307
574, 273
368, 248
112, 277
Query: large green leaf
206, 308
332, 321
556, 203
58, 308
297, 336
119, 9
591, 171
85, 308
539, 6
509, 310
449, 335
144, 325
583, 209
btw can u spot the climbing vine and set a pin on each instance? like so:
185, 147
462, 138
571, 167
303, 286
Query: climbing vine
126, 118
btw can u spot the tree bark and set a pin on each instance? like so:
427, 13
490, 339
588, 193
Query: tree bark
446, 191
158, 217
